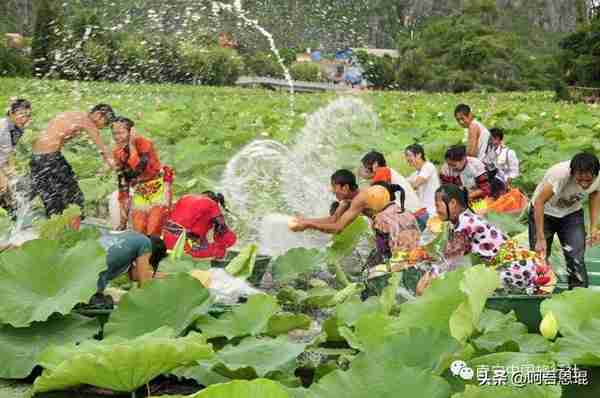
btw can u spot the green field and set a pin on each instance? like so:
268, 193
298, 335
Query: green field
198, 129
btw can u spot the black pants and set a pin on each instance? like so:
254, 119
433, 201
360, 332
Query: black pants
571, 234
54, 180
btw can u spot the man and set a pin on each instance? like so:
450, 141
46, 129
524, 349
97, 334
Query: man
137, 254
478, 136
425, 180
11, 131
466, 171
374, 168
52, 176
505, 159
140, 170
557, 209
353, 203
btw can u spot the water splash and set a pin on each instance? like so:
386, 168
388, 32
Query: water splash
266, 179
237, 8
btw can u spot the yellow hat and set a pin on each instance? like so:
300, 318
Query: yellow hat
378, 197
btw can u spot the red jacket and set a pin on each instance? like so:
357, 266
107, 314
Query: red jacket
197, 215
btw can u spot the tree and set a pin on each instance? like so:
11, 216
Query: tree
47, 23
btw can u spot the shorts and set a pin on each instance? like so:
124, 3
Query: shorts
54, 180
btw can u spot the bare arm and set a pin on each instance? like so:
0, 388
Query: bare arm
594, 208
93, 132
473, 140
331, 219
355, 210
142, 270
417, 182
538, 215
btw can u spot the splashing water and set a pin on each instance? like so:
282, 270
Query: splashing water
267, 179
236, 8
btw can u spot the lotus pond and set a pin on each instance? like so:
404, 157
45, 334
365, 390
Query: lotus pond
311, 331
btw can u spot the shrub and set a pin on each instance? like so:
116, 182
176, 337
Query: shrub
213, 66
263, 64
306, 71
14, 62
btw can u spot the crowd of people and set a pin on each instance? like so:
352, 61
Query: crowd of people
482, 170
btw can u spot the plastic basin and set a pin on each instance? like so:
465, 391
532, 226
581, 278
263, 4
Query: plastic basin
260, 265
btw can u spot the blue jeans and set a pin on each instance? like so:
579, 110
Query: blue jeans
571, 234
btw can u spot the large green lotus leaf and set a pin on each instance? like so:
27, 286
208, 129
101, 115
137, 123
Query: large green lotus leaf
40, 278
119, 364
510, 359
452, 304
296, 262
20, 347
250, 318
572, 308
387, 379
528, 391
344, 243
243, 264
581, 348
259, 388
264, 355
176, 301
499, 329
284, 322
202, 372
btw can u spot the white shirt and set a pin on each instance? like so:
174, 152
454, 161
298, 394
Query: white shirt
506, 162
568, 195
474, 168
411, 200
426, 191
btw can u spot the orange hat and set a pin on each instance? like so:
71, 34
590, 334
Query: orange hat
377, 198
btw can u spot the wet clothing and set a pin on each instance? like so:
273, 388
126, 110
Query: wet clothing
142, 172
9, 137
197, 215
518, 267
395, 230
426, 191
484, 145
54, 180
121, 254
473, 176
571, 234
391, 176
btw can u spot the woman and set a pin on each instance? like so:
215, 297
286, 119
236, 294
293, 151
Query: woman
521, 270
140, 170
425, 180
196, 215
395, 228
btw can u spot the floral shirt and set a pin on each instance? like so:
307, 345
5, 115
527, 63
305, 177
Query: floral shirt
482, 238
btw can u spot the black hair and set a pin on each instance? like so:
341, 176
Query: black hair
370, 158
333, 207
497, 133
452, 191
344, 177
105, 110
462, 109
217, 197
585, 162
17, 105
416, 149
392, 189
159, 251
122, 119
456, 153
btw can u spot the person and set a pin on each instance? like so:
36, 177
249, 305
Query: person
505, 159
196, 215
396, 229
556, 209
353, 202
137, 254
479, 143
11, 131
52, 176
520, 270
469, 172
425, 180
140, 170
374, 168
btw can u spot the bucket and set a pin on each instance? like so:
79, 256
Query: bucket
260, 265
